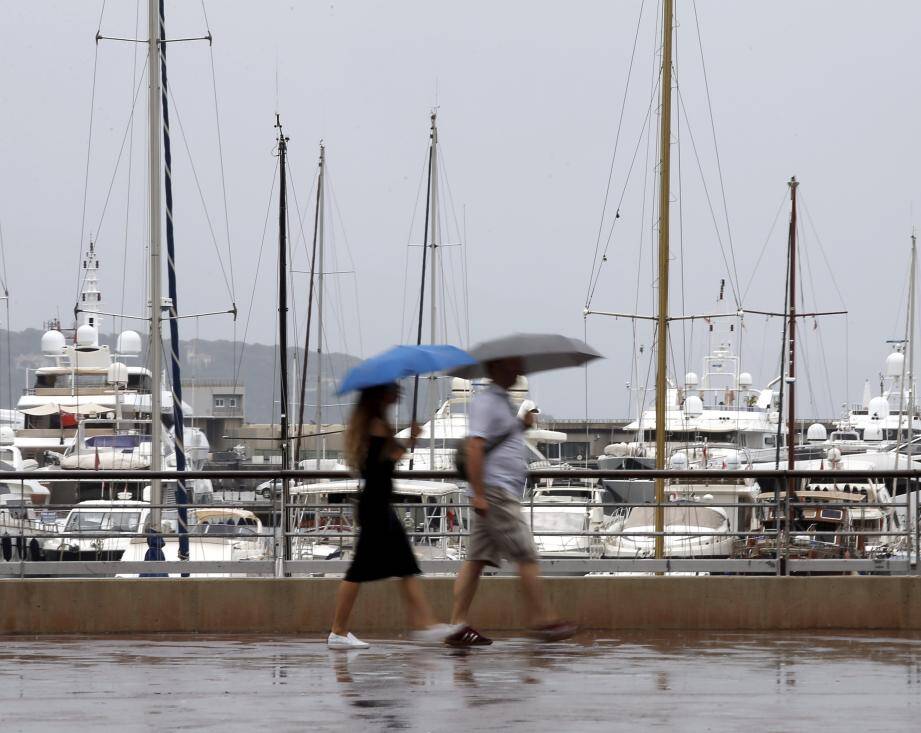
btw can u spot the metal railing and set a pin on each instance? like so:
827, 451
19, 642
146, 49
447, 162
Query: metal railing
300, 536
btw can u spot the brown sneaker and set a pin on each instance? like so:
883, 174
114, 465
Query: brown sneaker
467, 636
556, 631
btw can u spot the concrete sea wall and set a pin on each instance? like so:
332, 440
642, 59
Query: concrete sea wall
305, 606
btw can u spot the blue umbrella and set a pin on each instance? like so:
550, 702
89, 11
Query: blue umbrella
401, 362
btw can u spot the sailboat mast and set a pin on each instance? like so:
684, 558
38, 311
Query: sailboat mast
911, 352
154, 112
433, 271
180, 493
791, 328
313, 263
425, 249
321, 245
665, 123
283, 293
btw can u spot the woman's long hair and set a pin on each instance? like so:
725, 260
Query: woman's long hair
371, 404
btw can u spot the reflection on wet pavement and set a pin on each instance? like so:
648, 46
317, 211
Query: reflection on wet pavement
667, 681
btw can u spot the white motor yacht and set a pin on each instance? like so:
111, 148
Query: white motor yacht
563, 524
693, 530
215, 534
323, 518
719, 407
98, 530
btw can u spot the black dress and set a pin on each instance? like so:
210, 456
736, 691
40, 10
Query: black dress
382, 550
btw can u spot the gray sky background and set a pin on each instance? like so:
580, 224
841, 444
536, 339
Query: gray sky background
529, 97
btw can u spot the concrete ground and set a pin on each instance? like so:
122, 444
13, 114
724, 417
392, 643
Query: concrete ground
637, 682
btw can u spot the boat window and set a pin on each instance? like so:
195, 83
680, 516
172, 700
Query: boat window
554, 492
223, 530
84, 521
686, 516
98, 521
88, 380
116, 441
139, 382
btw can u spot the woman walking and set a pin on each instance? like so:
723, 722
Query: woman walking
383, 549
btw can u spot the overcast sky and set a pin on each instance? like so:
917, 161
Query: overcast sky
529, 99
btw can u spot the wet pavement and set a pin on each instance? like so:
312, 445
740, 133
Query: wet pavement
667, 681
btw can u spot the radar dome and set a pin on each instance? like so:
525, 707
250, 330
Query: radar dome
894, 363
816, 433
129, 343
873, 433
678, 462
117, 373
691, 379
745, 379
693, 406
733, 460
878, 409
87, 337
53, 343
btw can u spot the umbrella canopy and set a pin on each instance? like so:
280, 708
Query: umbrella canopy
401, 362
539, 352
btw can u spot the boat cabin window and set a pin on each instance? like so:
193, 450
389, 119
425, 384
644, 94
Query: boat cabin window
550, 492
117, 441
139, 382
218, 529
99, 521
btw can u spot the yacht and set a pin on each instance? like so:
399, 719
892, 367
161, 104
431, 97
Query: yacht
887, 412
98, 530
693, 530
23, 528
720, 407
323, 518
219, 534
439, 437
837, 518
563, 524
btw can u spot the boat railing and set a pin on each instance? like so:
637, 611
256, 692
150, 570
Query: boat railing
764, 532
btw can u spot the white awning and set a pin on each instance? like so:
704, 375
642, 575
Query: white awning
49, 408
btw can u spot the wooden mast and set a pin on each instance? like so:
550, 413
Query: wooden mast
662, 318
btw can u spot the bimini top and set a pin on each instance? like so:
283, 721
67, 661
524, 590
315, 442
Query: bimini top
402, 487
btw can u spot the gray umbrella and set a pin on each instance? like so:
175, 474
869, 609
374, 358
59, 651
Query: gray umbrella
540, 352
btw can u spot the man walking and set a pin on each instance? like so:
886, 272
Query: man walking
497, 469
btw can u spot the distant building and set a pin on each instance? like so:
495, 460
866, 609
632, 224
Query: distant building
218, 408
262, 442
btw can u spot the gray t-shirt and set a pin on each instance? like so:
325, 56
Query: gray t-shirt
492, 416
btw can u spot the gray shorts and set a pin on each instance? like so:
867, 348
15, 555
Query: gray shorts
503, 534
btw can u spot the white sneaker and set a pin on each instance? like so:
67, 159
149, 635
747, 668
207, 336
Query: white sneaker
349, 641
438, 632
